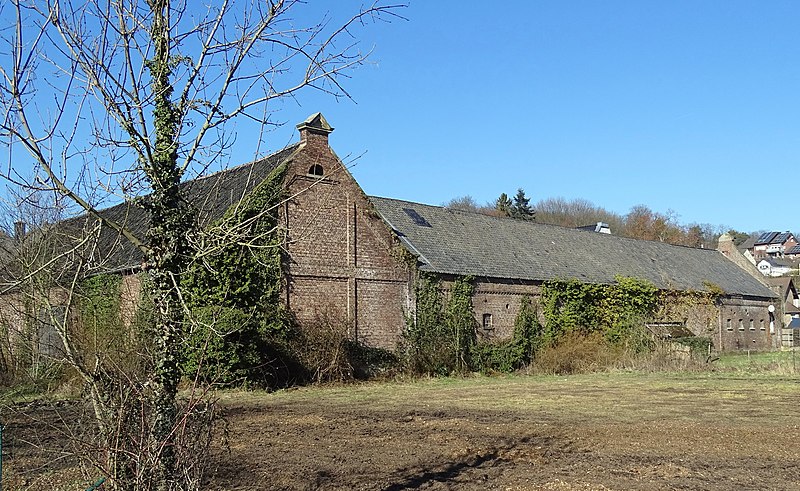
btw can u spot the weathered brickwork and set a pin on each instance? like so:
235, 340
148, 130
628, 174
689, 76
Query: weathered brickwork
340, 254
697, 313
500, 301
747, 324
703, 317
12, 319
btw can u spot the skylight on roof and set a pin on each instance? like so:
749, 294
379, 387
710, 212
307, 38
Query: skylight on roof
416, 217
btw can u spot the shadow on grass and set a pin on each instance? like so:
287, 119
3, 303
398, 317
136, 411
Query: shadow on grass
536, 448
445, 473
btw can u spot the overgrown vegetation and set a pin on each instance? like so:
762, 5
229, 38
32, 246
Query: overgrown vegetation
580, 326
101, 326
516, 352
234, 292
616, 311
440, 336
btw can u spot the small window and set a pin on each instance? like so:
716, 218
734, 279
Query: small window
741, 324
316, 170
488, 325
728, 325
752, 325
761, 323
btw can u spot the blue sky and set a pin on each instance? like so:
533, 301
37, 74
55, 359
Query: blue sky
690, 106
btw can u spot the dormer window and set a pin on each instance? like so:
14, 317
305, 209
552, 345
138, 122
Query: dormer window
316, 170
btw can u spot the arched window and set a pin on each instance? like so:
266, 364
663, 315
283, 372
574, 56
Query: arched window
316, 170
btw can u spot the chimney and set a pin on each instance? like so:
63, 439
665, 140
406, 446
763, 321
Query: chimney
19, 231
315, 129
725, 246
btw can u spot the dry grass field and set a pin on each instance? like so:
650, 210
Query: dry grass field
719, 430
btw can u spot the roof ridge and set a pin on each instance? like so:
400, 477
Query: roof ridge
540, 224
239, 166
130, 201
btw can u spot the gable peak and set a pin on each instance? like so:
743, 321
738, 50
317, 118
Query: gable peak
316, 124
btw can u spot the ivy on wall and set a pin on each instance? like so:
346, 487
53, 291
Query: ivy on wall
516, 352
617, 311
440, 336
102, 332
100, 303
234, 293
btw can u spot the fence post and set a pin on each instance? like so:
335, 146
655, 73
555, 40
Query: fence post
94, 486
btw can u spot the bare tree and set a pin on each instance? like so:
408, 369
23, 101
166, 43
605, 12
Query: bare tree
114, 99
575, 213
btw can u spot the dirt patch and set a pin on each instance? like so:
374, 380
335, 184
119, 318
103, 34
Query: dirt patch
625, 432
492, 450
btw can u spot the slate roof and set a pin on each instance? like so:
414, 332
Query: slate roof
211, 195
749, 243
466, 243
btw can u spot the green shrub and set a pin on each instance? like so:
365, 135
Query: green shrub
440, 337
369, 362
223, 346
699, 345
514, 353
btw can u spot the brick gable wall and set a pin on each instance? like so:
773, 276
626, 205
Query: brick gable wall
341, 257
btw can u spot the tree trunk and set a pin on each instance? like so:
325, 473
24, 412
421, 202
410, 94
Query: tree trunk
167, 239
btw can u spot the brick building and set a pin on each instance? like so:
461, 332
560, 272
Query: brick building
358, 256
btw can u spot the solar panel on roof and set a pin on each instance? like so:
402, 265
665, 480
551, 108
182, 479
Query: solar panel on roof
780, 238
766, 237
793, 250
416, 217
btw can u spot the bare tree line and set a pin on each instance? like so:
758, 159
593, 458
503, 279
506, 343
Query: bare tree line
640, 222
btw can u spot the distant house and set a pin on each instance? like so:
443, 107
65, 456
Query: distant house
776, 266
773, 244
787, 311
792, 252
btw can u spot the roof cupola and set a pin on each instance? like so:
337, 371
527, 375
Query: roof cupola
315, 128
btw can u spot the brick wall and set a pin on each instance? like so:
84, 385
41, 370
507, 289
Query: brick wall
501, 299
340, 254
747, 324
130, 291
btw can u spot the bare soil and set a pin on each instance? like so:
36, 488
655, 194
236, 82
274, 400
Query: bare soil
594, 432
